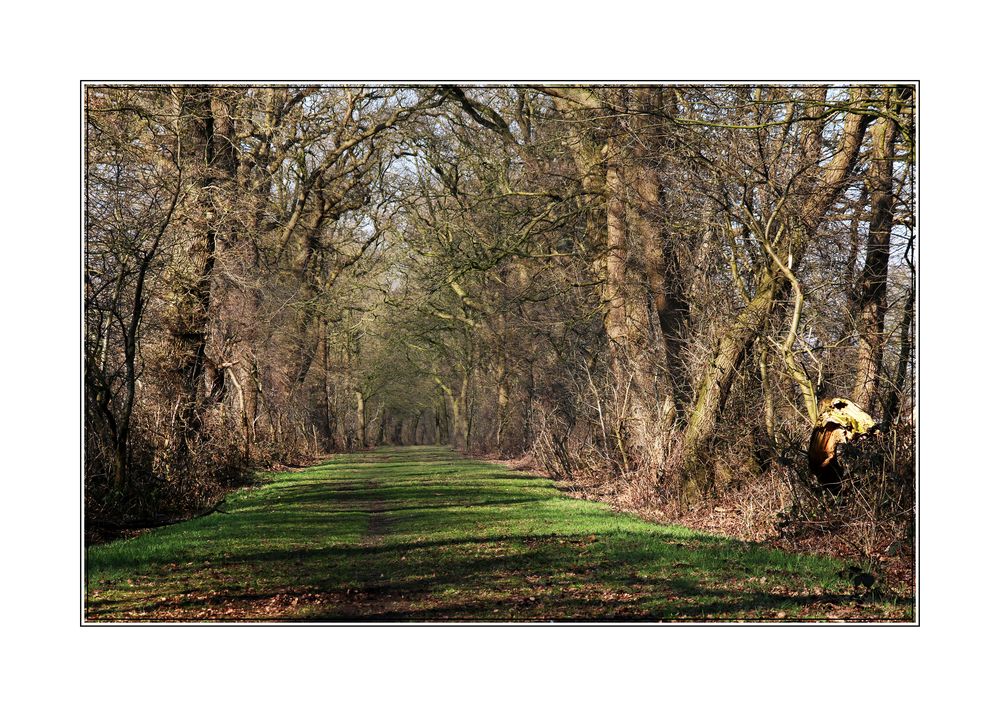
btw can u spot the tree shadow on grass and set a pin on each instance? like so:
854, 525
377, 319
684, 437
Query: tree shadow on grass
417, 545
522, 577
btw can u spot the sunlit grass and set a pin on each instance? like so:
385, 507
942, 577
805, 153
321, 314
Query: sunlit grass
404, 534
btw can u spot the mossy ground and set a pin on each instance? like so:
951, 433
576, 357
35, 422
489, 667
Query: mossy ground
422, 534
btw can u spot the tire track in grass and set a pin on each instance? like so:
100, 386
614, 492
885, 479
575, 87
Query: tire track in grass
378, 521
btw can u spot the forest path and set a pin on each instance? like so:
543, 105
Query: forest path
422, 534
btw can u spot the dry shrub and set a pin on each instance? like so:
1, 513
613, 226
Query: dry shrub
564, 449
167, 479
873, 519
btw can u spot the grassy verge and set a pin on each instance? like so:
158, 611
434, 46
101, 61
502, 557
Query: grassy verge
421, 534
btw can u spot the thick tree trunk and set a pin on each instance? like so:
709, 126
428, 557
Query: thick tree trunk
872, 296
635, 351
192, 284
502, 402
647, 213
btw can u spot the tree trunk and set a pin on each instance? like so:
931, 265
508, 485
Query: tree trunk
718, 376
529, 404
462, 412
189, 328
501, 410
905, 351
327, 397
872, 297
648, 214
635, 349
360, 437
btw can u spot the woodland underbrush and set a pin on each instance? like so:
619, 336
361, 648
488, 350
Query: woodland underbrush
762, 495
171, 477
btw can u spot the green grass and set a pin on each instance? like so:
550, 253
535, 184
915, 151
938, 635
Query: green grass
421, 534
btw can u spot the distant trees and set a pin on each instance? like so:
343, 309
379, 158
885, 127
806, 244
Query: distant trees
648, 287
